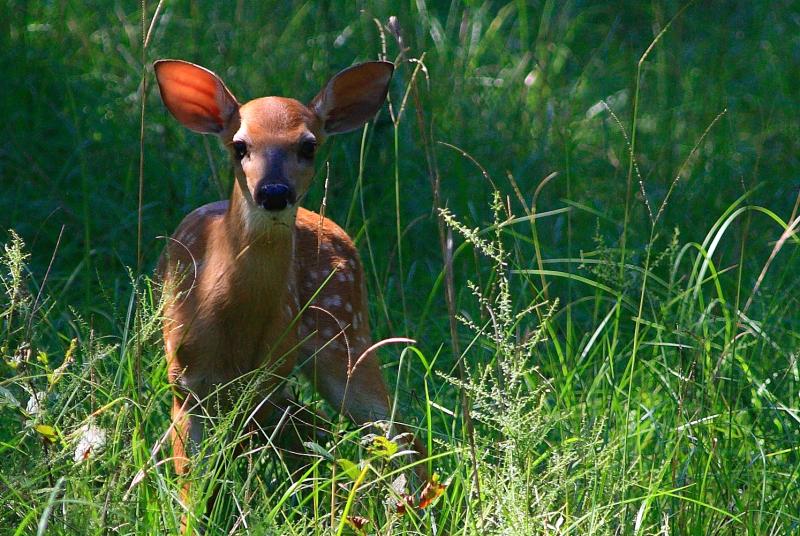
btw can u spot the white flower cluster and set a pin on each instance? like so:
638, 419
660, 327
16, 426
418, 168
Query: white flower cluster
91, 441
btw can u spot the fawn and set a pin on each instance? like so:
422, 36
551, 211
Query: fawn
237, 273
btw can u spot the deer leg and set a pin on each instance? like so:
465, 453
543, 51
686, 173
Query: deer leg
288, 425
187, 433
352, 383
180, 435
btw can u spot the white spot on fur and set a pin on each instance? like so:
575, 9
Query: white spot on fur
348, 307
332, 302
188, 239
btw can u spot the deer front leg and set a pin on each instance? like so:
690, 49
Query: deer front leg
285, 424
349, 379
187, 433
180, 435
188, 427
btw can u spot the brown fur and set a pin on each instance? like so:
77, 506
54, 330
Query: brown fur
239, 277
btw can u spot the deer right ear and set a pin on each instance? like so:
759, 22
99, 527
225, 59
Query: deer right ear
195, 96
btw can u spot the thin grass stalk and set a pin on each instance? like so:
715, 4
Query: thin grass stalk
445, 243
398, 231
140, 202
35, 306
396, 147
623, 244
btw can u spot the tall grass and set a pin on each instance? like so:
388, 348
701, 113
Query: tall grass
617, 196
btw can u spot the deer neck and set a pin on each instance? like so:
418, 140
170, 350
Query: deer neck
259, 253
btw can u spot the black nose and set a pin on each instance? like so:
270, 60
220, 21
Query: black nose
274, 196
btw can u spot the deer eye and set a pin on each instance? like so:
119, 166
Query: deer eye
239, 149
307, 148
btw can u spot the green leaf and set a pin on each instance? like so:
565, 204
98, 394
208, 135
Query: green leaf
47, 432
382, 447
316, 448
350, 469
69, 357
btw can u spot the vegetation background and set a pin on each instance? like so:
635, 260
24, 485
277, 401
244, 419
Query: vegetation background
622, 182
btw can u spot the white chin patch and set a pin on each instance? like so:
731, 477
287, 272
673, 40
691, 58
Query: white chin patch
258, 219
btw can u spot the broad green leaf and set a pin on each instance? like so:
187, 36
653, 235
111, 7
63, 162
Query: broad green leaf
350, 469
383, 447
47, 432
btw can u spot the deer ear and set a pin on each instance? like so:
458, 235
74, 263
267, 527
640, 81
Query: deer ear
352, 97
195, 96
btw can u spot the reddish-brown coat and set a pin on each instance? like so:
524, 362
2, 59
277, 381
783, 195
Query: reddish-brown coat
250, 289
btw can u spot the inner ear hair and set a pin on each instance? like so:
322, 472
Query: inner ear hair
353, 96
197, 97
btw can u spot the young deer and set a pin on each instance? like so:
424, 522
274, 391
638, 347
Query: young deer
239, 272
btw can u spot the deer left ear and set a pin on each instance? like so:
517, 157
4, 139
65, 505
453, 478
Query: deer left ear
352, 97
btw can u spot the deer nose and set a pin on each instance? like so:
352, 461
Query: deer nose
274, 196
